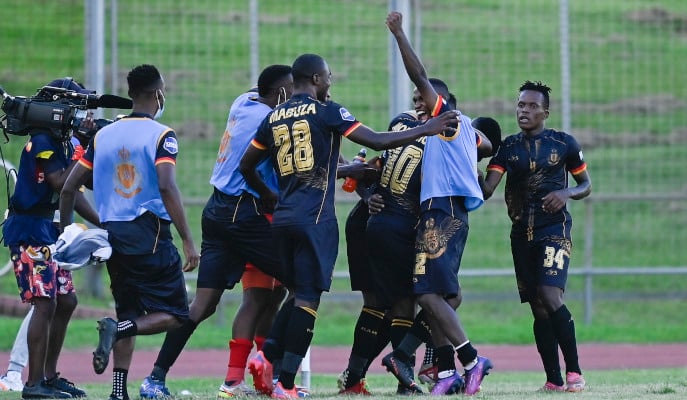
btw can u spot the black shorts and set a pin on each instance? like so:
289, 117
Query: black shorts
308, 253
227, 247
440, 242
356, 249
148, 283
391, 243
542, 261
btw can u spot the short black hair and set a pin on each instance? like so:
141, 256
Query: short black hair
537, 86
143, 78
442, 89
305, 66
269, 76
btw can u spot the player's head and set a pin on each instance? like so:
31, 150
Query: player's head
442, 89
146, 87
422, 108
275, 84
312, 72
533, 106
491, 129
539, 87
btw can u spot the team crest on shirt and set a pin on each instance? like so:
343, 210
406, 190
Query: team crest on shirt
554, 158
127, 179
434, 238
345, 115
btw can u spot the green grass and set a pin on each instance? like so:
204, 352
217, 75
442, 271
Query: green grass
647, 384
484, 49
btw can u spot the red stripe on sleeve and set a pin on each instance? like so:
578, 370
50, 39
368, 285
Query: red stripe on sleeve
437, 106
579, 169
162, 160
352, 128
496, 168
258, 145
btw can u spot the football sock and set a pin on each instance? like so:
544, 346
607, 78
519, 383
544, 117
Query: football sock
404, 347
126, 328
298, 338
383, 339
273, 348
259, 341
420, 328
564, 329
429, 358
466, 354
239, 349
174, 343
548, 349
445, 359
119, 376
364, 342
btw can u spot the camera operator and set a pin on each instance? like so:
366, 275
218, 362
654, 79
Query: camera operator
45, 163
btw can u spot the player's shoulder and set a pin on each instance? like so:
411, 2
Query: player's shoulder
561, 136
556, 134
512, 139
404, 120
337, 110
42, 141
245, 98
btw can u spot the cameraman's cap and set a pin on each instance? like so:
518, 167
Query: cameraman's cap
70, 84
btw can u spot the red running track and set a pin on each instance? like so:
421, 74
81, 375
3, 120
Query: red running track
76, 364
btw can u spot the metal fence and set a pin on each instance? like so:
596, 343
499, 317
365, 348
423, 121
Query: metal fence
615, 66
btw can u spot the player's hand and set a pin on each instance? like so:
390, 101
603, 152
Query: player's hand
445, 123
554, 201
192, 256
375, 204
268, 202
394, 21
87, 125
375, 162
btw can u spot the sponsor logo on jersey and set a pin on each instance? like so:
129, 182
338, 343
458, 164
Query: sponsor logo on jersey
171, 145
345, 115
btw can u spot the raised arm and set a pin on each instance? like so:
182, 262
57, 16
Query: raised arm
414, 68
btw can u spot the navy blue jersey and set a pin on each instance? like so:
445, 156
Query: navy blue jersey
303, 137
41, 156
399, 182
535, 167
34, 202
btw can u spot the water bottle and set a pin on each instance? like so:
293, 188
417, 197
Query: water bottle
350, 184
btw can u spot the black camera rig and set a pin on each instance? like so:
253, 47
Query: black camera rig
56, 110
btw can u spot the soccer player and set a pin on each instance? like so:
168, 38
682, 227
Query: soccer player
137, 198
371, 331
537, 161
302, 137
236, 230
449, 190
391, 232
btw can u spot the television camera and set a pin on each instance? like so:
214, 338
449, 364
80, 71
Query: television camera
58, 111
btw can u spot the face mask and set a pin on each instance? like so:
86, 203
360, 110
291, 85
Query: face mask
160, 109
